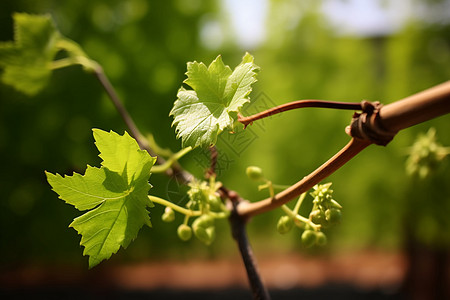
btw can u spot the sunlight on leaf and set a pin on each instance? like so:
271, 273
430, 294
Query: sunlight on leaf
25, 61
212, 106
116, 195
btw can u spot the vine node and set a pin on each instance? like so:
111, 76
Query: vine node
366, 125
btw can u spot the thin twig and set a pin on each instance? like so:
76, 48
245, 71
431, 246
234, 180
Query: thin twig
211, 171
298, 104
134, 131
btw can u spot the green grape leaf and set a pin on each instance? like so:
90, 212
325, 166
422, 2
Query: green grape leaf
116, 195
212, 106
26, 61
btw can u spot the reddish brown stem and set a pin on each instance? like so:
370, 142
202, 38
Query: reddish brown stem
380, 124
338, 160
417, 108
298, 104
211, 171
377, 122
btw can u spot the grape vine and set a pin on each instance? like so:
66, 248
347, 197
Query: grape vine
115, 195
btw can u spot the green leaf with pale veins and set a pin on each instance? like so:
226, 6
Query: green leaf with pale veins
212, 106
116, 195
26, 61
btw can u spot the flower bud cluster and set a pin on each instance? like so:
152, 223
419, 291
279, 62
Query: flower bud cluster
326, 211
204, 198
425, 155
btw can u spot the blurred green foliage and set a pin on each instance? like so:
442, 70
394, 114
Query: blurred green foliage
143, 47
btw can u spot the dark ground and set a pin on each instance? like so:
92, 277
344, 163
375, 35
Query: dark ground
365, 275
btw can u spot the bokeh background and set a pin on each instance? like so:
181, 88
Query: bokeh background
330, 49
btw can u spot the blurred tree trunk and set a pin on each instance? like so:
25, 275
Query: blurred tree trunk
427, 275
427, 237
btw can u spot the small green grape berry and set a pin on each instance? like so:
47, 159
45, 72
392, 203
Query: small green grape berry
168, 215
205, 234
317, 216
214, 201
254, 173
204, 221
211, 231
285, 224
321, 238
333, 215
308, 238
184, 232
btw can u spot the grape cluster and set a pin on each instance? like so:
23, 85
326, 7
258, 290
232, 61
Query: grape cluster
326, 211
203, 196
204, 229
203, 199
313, 237
425, 155
310, 236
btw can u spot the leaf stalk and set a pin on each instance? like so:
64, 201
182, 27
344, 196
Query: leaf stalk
182, 210
173, 159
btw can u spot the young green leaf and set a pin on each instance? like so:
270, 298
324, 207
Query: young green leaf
212, 106
26, 61
116, 195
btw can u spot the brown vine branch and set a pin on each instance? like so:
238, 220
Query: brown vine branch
376, 124
338, 160
380, 124
298, 104
238, 223
415, 109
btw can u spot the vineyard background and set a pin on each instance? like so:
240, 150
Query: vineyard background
144, 46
